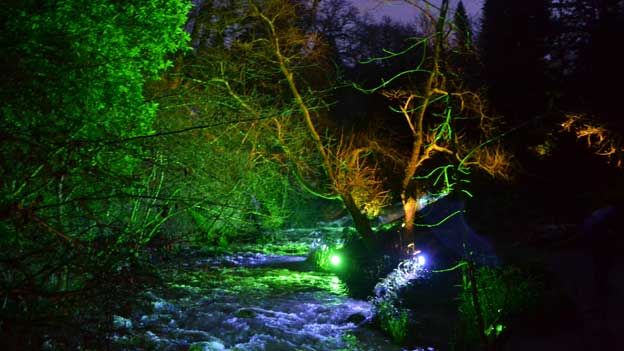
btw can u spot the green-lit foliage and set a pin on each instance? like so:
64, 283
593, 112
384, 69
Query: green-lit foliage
82, 65
352, 342
267, 71
239, 142
268, 282
229, 172
503, 293
393, 320
79, 199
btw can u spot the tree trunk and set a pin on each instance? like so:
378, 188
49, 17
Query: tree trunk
360, 221
409, 208
409, 194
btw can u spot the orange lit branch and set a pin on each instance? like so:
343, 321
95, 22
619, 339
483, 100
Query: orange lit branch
599, 138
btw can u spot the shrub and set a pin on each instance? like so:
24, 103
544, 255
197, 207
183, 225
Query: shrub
393, 320
503, 293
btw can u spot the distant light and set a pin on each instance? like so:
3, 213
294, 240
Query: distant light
424, 201
335, 260
421, 260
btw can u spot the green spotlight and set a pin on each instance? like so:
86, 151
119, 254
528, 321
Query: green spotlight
335, 260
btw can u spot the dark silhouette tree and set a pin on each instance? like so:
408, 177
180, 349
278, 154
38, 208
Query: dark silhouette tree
588, 72
512, 47
463, 57
462, 28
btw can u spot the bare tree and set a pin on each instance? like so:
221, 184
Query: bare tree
287, 44
434, 105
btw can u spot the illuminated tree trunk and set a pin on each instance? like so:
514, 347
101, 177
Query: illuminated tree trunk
409, 192
360, 221
410, 209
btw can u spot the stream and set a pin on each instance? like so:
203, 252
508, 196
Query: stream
250, 302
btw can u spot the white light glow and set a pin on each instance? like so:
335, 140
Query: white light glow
407, 270
421, 260
335, 260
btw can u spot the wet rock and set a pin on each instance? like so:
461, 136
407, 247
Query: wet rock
121, 323
356, 318
47, 345
155, 320
164, 306
340, 222
207, 346
193, 335
152, 338
245, 313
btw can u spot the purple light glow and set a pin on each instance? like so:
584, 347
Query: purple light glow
400, 11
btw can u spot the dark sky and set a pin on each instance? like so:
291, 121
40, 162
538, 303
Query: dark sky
398, 10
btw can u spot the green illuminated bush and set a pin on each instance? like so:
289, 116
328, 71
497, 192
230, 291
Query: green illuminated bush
79, 198
393, 320
503, 293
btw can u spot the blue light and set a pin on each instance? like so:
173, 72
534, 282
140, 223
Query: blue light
421, 260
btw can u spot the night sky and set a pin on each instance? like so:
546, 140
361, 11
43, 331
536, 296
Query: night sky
400, 11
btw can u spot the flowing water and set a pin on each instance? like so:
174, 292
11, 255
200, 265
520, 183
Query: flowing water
251, 302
